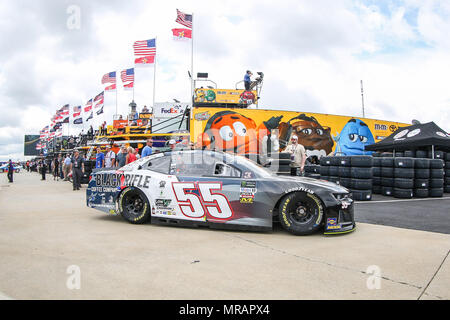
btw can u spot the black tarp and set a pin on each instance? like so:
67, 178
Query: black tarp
414, 137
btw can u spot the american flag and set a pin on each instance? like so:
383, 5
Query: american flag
184, 19
110, 77
127, 75
64, 111
99, 96
76, 111
145, 48
88, 106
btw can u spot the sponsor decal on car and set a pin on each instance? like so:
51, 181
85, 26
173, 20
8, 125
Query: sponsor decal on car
332, 224
301, 189
108, 182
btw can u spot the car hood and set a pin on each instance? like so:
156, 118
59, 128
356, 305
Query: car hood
311, 182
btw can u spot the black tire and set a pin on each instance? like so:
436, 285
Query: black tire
301, 213
404, 162
327, 178
361, 173
345, 182
376, 171
362, 195
376, 189
421, 154
361, 184
399, 154
437, 155
447, 172
403, 193
387, 182
376, 154
436, 192
345, 172
361, 161
387, 172
407, 173
316, 168
436, 164
335, 161
376, 162
325, 161
345, 161
436, 183
334, 179
422, 173
280, 155
134, 206
421, 183
447, 164
324, 170
447, 156
437, 173
410, 153
387, 162
387, 191
403, 183
447, 180
387, 154
421, 163
420, 193
376, 181
334, 171
447, 189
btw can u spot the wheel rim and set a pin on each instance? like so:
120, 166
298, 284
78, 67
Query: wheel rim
302, 211
134, 204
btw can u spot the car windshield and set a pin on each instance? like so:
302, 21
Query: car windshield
253, 166
140, 162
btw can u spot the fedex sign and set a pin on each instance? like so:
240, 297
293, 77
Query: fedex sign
169, 109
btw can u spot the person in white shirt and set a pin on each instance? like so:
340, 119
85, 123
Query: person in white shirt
110, 158
298, 156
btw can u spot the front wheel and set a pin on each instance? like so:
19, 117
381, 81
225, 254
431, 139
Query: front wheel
301, 213
133, 206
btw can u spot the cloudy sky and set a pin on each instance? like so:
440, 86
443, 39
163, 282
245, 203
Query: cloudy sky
313, 55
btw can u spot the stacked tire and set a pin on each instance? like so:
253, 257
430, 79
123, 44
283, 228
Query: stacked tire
324, 170
280, 163
436, 177
361, 177
387, 176
345, 174
403, 178
376, 172
421, 178
312, 171
447, 173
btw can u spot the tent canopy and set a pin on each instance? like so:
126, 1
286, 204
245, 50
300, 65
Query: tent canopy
414, 137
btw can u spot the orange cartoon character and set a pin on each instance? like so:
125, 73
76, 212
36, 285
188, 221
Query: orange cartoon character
233, 132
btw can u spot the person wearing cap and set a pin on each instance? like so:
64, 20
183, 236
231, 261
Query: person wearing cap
110, 158
298, 156
247, 80
172, 144
148, 148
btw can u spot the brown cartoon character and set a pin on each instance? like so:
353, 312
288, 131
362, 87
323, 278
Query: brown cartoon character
311, 134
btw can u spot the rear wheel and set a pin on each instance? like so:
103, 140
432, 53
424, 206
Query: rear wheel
133, 206
301, 213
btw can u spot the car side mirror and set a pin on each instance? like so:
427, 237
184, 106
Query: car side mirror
140, 167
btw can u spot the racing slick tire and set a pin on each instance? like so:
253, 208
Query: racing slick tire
387, 191
376, 181
407, 173
361, 161
437, 154
325, 161
410, 153
436, 183
335, 161
361, 184
421, 154
422, 173
447, 156
403, 183
436, 192
334, 179
376, 162
404, 162
387, 162
387, 182
301, 213
420, 193
334, 171
376, 154
447, 180
345, 161
403, 193
387, 172
345, 172
421, 183
387, 154
422, 163
447, 172
361, 195
376, 189
447, 188
361, 173
399, 154
345, 182
436, 164
437, 173
324, 170
134, 206
376, 171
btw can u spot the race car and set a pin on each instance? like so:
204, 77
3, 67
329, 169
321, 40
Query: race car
219, 190
4, 168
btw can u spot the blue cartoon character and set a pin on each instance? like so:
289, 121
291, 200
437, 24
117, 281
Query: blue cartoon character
353, 138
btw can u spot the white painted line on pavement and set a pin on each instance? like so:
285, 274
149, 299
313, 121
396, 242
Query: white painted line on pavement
403, 200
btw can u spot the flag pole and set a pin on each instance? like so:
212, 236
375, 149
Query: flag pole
154, 76
192, 61
117, 89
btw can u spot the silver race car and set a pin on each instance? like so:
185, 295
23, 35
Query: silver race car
219, 190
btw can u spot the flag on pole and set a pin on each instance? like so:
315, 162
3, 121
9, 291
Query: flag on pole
99, 112
78, 120
110, 77
66, 120
127, 75
182, 34
76, 111
144, 61
111, 88
59, 133
90, 116
128, 86
184, 19
99, 99
64, 111
144, 48
88, 106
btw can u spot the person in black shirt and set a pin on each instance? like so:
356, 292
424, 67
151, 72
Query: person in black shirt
77, 170
10, 171
43, 169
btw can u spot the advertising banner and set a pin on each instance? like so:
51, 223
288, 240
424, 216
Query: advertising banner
169, 109
31, 144
228, 96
